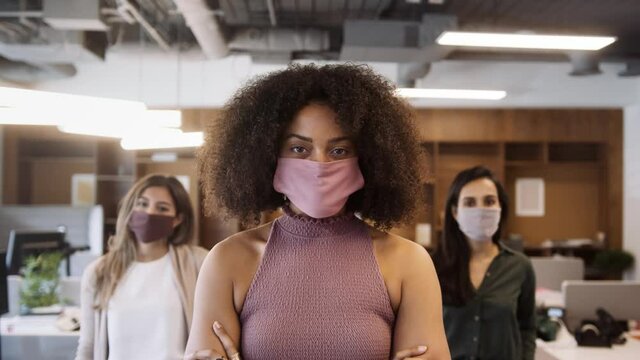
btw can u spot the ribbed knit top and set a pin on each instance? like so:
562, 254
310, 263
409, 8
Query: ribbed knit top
317, 294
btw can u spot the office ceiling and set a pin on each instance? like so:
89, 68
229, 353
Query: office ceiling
42, 39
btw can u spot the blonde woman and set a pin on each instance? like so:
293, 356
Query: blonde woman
137, 300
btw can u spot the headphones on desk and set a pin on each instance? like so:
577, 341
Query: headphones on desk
602, 332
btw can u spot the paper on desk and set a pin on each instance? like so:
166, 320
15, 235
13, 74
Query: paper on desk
549, 298
39, 325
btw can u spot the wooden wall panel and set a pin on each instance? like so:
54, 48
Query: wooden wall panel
571, 203
526, 125
614, 181
51, 180
16, 172
459, 125
515, 124
10, 166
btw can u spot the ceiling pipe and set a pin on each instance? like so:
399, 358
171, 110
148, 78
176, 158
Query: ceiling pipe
127, 8
409, 73
204, 27
272, 13
280, 40
27, 73
25, 13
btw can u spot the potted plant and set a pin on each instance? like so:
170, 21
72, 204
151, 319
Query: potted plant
612, 263
40, 283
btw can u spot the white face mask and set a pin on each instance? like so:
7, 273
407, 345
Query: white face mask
478, 224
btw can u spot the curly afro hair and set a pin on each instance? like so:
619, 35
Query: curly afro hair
238, 160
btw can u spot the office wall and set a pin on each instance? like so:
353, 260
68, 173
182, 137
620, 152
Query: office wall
631, 231
51, 180
1, 158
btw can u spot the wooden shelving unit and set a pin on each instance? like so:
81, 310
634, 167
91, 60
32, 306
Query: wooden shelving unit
574, 174
115, 175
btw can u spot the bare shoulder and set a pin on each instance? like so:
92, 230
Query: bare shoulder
397, 249
401, 262
239, 248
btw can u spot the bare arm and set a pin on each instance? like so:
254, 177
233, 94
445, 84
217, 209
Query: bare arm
214, 302
419, 318
87, 294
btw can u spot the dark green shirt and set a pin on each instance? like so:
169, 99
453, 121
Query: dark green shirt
499, 322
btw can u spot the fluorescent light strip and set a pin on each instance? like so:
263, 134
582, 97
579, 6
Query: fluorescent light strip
451, 94
106, 122
162, 140
113, 130
37, 115
524, 41
12, 116
27, 99
120, 126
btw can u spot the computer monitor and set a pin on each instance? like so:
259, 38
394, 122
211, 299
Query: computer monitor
582, 298
23, 244
552, 271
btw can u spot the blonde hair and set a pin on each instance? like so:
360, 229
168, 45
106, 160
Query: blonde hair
122, 246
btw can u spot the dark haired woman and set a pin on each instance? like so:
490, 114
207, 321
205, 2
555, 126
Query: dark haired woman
488, 290
322, 143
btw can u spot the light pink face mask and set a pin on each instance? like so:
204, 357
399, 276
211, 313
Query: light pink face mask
479, 224
319, 189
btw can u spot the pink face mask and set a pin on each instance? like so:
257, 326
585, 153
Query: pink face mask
319, 189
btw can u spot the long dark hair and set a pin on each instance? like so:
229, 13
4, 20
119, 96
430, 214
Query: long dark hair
453, 252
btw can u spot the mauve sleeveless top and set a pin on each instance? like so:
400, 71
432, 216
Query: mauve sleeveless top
317, 294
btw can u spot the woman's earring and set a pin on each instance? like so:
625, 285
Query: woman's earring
285, 197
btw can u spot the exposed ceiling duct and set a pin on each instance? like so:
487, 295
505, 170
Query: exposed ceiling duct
280, 40
278, 31
409, 73
204, 27
632, 68
58, 47
60, 34
24, 73
45, 38
396, 41
131, 14
74, 15
584, 63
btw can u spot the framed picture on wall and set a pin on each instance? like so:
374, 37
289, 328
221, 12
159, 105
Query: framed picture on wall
530, 197
83, 189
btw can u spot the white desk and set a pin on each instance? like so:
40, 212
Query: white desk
35, 337
566, 348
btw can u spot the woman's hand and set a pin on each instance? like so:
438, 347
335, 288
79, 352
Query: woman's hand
208, 354
409, 354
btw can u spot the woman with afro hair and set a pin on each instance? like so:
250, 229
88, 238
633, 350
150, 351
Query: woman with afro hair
336, 150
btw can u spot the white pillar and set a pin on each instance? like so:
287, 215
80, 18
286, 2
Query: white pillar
1, 164
631, 201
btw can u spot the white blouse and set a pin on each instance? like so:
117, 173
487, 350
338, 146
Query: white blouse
145, 319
